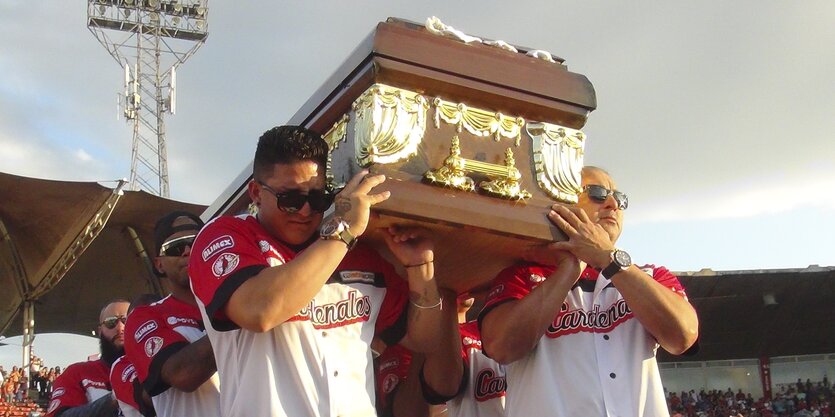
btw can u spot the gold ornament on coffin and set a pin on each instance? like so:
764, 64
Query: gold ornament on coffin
479, 122
337, 134
389, 124
558, 159
503, 180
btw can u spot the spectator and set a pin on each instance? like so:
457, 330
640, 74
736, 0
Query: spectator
84, 388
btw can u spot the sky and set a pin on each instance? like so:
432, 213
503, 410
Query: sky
715, 117
55, 349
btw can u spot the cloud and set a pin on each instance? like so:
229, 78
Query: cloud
32, 158
746, 198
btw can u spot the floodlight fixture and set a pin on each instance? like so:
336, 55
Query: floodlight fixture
149, 38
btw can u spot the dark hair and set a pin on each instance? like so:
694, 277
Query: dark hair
165, 227
286, 145
112, 301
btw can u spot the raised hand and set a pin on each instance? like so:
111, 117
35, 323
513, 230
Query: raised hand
353, 204
587, 240
410, 245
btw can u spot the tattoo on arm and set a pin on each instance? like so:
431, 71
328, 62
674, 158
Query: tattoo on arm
343, 205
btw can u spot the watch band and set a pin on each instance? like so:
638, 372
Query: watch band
612, 269
347, 237
620, 262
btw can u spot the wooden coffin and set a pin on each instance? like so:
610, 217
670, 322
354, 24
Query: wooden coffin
477, 141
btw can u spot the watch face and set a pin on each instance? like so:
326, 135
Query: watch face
623, 258
329, 228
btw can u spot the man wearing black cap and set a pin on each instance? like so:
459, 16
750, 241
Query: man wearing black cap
166, 341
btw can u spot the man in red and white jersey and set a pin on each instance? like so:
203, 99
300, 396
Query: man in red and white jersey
126, 388
291, 312
166, 340
83, 389
132, 398
581, 341
480, 393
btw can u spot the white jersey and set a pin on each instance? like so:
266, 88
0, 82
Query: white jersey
484, 395
595, 359
317, 363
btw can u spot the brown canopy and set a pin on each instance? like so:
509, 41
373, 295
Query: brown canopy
70, 247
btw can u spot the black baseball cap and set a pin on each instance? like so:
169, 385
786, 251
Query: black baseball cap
165, 227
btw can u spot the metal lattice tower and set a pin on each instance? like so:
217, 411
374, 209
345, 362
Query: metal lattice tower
149, 39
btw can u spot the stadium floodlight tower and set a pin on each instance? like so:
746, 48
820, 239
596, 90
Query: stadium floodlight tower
149, 39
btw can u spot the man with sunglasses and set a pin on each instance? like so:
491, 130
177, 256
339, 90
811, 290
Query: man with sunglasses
166, 340
291, 312
579, 327
83, 389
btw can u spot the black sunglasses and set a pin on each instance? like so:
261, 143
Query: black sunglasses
599, 194
177, 246
293, 201
112, 321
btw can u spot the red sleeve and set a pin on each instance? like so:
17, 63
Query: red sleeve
149, 342
122, 374
393, 368
67, 391
514, 283
666, 278
224, 256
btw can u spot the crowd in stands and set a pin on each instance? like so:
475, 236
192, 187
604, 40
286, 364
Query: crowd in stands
24, 395
801, 399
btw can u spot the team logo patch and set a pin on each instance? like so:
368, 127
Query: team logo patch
152, 346
220, 244
536, 278
183, 320
129, 374
57, 393
53, 405
87, 383
350, 277
496, 291
389, 382
225, 264
264, 245
144, 330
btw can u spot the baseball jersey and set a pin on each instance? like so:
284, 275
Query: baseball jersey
595, 359
152, 334
318, 362
81, 383
392, 368
122, 378
483, 393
